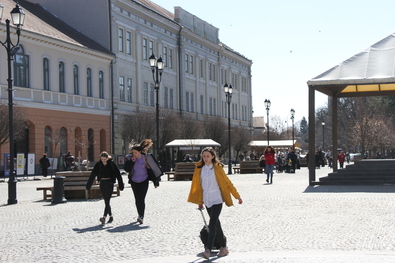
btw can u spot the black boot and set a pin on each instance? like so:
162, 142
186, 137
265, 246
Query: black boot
271, 178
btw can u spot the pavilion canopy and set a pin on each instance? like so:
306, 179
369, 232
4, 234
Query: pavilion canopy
193, 143
368, 73
278, 144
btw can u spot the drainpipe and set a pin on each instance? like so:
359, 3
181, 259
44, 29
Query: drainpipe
179, 70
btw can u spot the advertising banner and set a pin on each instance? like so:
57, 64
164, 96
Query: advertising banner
20, 164
31, 163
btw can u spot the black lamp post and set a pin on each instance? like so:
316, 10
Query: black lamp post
228, 92
293, 130
18, 17
267, 105
323, 135
157, 66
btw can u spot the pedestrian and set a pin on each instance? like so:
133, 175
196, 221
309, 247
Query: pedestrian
294, 158
341, 157
44, 162
321, 156
262, 162
270, 161
106, 172
142, 168
329, 157
211, 187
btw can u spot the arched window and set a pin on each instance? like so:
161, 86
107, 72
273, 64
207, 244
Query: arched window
91, 143
89, 82
75, 78
46, 73
48, 141
101, 85
63, 141
61, 77
21, 68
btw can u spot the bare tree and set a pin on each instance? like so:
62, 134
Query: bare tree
20, 124
241, 137
216, 129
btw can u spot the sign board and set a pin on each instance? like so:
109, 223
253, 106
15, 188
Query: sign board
31, 163
6, 164
20, 164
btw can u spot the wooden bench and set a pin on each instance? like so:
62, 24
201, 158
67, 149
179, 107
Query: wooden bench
250, 167
170, 175
47, 192
75, 186
184, 171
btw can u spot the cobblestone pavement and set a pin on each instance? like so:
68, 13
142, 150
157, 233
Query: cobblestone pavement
287, 221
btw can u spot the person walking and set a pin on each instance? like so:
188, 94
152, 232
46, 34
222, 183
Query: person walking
44, 162
106, 172
294, 159
341, 157
211, 187
270, 161
142, 168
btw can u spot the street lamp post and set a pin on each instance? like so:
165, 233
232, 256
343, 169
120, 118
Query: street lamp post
228, 93
267, 105
18, 17
323, 135
157, 66
293, 130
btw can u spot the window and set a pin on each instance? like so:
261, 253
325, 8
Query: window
61, 77
121, 88
21, 68
75, 80
187, 101
224, 74
120, 40
214, 106
210, 71
145, 93
152, 93
91, 143
101, 85
145, 49
192, 102
201, 68
166, 97
151, 47
89, 82
129, 90
186, 63
170, 58
46, 73
171, 99
201, 104
128, 43
191, 64
165, 56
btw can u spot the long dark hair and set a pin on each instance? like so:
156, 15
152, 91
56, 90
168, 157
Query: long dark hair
143, 146
271, 149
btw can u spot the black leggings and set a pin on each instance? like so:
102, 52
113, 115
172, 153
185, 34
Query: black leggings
106, 188
214, 227
140, 191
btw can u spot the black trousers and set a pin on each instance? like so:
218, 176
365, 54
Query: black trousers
214, 227
106, 188
140, 191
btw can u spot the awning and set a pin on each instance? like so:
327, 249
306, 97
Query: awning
193, 143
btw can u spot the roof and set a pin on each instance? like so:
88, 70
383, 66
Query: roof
274, 144
193, 143
42, 22
157, 8
370, 72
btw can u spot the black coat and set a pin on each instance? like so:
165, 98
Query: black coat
97, 172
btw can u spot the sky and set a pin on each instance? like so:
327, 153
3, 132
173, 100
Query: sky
291, 42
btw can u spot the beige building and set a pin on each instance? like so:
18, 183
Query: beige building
61, 83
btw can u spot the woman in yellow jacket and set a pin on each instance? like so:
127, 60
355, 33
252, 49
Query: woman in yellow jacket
211, 187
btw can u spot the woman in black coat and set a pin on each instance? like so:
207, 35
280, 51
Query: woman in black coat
106, 172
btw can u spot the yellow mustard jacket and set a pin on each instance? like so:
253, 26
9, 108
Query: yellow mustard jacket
225, 185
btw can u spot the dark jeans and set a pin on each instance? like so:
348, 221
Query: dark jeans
45, 171
140, 191
214, 227
106, 188
341, 164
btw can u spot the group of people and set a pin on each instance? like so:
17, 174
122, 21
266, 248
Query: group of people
321, 158
269, 160
210, 187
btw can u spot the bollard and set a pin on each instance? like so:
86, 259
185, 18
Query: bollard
58, 190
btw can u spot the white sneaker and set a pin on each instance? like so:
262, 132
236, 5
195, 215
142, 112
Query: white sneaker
140, 220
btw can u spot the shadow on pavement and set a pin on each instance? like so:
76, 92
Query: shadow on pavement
125, 228
350, 189
89, 229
